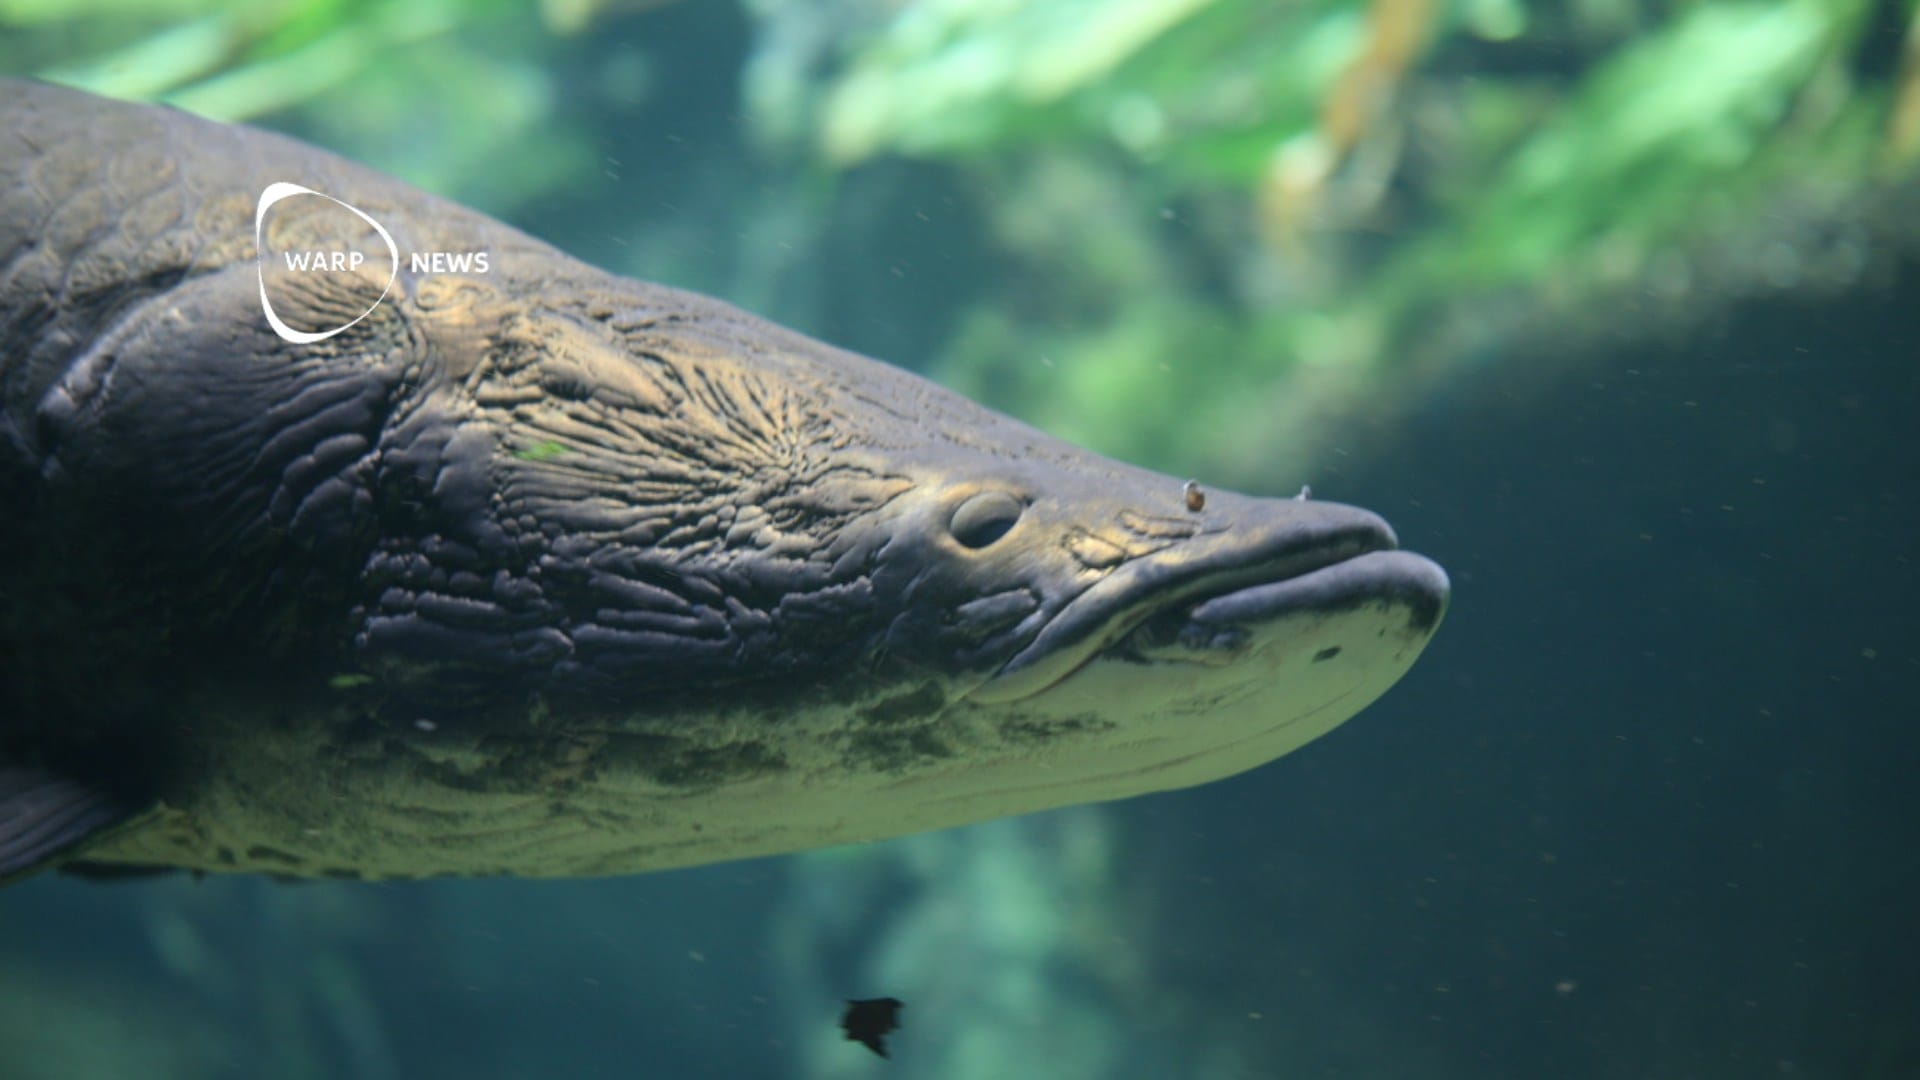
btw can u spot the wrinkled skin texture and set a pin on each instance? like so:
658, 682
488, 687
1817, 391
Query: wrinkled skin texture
546, 571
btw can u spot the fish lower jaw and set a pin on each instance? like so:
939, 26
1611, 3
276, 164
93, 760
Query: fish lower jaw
1126, 727
1220, 622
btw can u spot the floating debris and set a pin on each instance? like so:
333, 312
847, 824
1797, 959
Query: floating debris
867, 1022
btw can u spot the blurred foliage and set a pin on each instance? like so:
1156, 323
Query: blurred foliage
1195, 232
450, 94
1285, 209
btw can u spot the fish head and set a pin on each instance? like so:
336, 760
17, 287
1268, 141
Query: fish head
1107, 630
772, 565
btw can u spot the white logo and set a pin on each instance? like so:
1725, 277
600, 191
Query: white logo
436, 262
309, 260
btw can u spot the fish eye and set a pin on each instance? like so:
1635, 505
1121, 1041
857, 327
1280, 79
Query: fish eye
984, 518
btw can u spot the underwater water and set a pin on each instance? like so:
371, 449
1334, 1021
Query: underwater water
1643, 808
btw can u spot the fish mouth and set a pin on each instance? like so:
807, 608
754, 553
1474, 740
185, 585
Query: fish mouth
1218, 629
1205, 600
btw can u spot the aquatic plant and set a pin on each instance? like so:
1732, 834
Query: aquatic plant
1238, 217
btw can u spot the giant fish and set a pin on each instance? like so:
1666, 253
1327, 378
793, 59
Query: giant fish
346, 532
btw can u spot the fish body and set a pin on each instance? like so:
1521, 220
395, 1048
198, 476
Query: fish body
528, 568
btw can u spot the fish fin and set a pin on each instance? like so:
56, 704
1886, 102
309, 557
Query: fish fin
44, 817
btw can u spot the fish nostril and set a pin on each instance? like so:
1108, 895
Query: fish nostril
985, 518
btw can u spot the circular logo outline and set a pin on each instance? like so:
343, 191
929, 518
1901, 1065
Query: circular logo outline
281, 189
